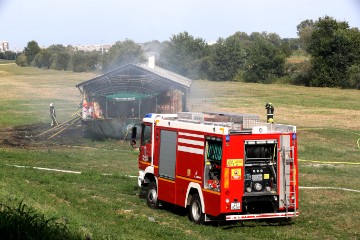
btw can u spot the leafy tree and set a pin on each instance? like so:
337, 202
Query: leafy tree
153, 48
21, 60
355, 41
78, 61
266, 58
292, 43
333, 48
304, 31
43, 59
185, 55
122, 53
8, 55
92, 60
62, 61
31, 50
272, 38
85, 61
304, 75
60, 56
218, 62
354, 76
57, 48
228, 56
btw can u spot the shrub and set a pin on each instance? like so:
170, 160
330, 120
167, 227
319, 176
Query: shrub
303, 75
22, 222
21, 60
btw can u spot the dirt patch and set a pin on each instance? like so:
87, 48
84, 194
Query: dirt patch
40, 134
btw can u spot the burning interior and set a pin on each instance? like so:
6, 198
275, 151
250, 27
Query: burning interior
112, 103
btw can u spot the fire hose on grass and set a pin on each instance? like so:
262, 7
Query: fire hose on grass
131, 176
57, 127
64, 128
61, 127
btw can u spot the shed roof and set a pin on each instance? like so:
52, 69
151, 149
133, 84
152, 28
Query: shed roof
135, 78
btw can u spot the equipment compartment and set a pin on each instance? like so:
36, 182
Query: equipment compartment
260, 167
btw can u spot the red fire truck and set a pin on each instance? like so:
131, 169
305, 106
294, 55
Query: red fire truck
219, 166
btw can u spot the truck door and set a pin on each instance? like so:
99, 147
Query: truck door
145, 146
167, 163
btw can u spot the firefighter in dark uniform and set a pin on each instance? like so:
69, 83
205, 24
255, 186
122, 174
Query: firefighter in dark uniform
269, 112
53, 115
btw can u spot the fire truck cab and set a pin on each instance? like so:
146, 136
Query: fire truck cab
219, 166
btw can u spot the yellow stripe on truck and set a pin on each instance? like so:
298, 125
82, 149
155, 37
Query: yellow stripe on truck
226, 177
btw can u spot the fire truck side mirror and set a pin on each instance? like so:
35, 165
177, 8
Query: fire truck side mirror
133, 136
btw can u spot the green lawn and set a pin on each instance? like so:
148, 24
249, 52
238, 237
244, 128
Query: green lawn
103, 201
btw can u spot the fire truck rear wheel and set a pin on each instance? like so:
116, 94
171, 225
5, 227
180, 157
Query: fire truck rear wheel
152, 196
195, 210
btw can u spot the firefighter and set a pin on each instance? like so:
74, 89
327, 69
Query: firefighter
269, 112
53, 115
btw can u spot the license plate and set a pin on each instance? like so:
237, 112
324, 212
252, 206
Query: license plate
235, 206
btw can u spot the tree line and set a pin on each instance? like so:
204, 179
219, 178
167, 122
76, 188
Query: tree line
7, 55
332, 48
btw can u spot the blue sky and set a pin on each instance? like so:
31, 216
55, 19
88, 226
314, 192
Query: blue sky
107, 21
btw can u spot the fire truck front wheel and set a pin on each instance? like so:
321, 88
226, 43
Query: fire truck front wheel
195, 210
152, 196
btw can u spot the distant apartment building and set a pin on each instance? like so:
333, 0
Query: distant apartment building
89, 48
4, 46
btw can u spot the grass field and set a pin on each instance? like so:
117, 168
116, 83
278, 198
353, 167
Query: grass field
103, 201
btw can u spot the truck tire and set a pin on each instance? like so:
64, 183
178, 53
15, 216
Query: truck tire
152, 196
195, 210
